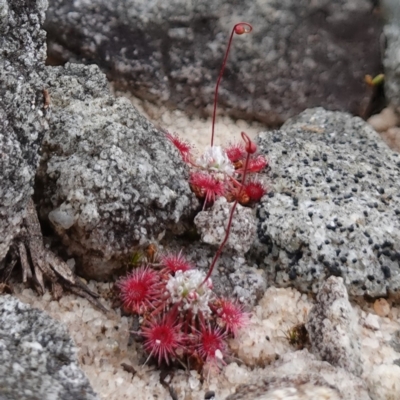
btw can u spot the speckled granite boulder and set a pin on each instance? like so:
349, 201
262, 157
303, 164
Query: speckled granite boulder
37, 357
22, 55
108, 180
300, 54
334, 206
333, 327
300, 376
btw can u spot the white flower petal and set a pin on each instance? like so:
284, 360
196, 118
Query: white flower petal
215, 159
185, 287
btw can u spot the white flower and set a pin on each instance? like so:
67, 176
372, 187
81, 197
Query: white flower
215, 159
185, 287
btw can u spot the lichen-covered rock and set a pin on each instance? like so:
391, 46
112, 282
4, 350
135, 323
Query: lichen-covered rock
37, 358
333, 206
248, 283
108, 180
299, 376
333, 328
391, 61
22, 55
212, 225
300, 54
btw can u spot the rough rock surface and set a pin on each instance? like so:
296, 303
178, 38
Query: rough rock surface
108, 180
299, 376
384, 382
212, 225
37, 358
21, 109
333, 327
233, 275
333, 206
391, 62
300, 54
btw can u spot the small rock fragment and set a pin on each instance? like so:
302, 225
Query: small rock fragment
372, 322
213, 222
299, 376
382, 307
386, 119
392, 138
333, 328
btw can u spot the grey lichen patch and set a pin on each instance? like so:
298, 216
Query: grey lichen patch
333, 327
248, 283
110, 180
37, 359
333, 206
212, 225
22, 125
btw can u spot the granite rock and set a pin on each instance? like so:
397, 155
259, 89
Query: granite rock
299, 376
37, 358
333, 328
300, 54
108, 180
333, 206
22, 122
212, 225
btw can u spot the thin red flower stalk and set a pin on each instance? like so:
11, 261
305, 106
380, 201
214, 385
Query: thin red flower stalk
235, 192
140, 290
205, 185
231, 315
250, 148
254, 189
162, 339
184, 147
175, 262
239, 29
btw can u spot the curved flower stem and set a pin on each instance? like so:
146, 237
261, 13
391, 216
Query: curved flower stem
239, 29
228, 228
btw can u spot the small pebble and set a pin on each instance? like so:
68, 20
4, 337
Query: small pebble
386, 119
372, 322
392, 138
382, 307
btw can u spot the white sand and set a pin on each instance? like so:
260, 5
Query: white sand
196, 130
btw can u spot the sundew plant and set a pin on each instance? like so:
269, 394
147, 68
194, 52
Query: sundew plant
182, 319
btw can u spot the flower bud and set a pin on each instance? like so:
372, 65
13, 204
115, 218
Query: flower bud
250, 146
242, 28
